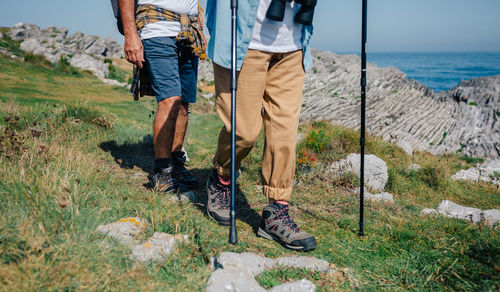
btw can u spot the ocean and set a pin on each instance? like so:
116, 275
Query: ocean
440, 71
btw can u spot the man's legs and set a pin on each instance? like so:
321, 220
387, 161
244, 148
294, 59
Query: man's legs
282, 103
165, 126
251, 86
181, 125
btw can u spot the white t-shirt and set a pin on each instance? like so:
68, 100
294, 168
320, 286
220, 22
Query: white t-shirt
167, 28
276, 36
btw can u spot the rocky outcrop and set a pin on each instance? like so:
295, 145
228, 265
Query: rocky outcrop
82, 51
400, 110
463, 119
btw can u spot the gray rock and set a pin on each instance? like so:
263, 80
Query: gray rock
381, 197
491, 217
1, 35
406, 147
184, 197
237, 272
428, 211
125, 230
487, 172
157, 248
414, 167
453, 210
86, 62
375, 169
297, 286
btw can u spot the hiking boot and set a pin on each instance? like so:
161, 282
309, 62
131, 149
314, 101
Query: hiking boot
180, 173
164, 182
276, 224
218, 200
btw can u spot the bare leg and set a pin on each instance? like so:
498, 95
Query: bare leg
181, 127
164, 126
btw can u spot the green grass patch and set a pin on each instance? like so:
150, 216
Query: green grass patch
75, 154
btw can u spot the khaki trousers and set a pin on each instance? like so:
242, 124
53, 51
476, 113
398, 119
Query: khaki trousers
269, 91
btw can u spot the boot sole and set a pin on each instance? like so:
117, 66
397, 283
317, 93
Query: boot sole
266, 235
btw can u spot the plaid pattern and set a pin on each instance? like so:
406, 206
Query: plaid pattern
191, 35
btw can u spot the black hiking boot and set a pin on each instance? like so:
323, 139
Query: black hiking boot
276, 224
218, 200
181, 174
164, 182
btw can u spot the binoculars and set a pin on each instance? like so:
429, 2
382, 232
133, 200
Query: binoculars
276, 10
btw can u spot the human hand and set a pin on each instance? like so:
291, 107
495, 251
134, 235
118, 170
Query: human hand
134, 50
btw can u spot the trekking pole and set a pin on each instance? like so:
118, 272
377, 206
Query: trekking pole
363, 109
233, 236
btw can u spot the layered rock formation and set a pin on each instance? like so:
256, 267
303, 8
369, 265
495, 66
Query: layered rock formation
400, 110
463, 119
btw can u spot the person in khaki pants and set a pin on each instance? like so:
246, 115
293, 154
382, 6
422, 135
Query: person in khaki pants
271, 60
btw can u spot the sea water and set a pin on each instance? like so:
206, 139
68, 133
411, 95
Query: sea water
440, 71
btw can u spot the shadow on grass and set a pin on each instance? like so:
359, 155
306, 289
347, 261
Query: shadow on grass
141, 155
130, 155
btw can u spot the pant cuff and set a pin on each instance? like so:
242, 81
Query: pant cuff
224, 172
278, 194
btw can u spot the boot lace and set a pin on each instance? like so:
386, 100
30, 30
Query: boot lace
285, 218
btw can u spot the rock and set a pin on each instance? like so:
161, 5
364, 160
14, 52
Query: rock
375, 169
124, 230
413, 167
112, 81
86, 62
428, 211
381, 197
1, 35
453, 210
487, 172
297, 286
157, 248
184, 197
237, 272
491, 217
406, 147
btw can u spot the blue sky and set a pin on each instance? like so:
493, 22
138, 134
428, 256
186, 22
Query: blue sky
393, 25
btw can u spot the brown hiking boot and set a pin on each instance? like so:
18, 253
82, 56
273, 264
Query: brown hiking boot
218, 200
276, 224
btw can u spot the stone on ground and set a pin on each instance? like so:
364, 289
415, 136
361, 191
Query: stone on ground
185, 197
376, 175
414, 167
487, 172
237, 272
297, 286
380, 197
406, 147
157, 248
452, 210
460, 212
124, 230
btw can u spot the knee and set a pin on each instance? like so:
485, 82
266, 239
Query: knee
247, 138
169, 104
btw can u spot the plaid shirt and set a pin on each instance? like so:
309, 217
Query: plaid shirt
191, 35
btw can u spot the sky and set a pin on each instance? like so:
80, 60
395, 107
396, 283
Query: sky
393, 25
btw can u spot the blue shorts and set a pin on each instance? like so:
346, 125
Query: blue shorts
173, 68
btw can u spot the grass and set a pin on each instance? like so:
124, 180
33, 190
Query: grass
75, 154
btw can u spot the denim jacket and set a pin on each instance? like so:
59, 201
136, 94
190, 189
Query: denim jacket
218, 22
